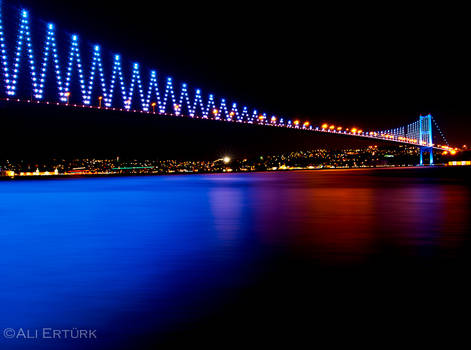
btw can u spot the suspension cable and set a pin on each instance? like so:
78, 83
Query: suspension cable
440, 131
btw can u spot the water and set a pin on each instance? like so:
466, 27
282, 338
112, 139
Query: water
155, 262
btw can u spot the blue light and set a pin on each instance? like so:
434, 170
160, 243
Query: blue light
75, 61
211, 106
136, 79
23, 42
198, 104
6, 76
50, 50
153, 91
168, 94
183, 102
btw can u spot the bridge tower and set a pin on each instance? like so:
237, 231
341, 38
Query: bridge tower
425, 137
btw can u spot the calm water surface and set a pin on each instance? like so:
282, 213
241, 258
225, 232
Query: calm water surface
152, 262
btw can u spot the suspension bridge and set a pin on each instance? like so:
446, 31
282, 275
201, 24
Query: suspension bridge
33, 71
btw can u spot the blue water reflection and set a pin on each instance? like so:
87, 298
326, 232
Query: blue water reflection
145, 260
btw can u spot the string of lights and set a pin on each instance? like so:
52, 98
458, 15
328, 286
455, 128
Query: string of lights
440, 131
95, 86
74, 66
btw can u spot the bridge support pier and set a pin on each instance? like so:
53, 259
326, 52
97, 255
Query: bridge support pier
425, 137
430, 152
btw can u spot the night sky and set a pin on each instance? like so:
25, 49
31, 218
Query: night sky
369, 67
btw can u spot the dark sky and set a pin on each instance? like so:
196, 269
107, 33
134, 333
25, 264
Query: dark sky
368, 66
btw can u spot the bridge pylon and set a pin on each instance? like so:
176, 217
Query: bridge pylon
425, 137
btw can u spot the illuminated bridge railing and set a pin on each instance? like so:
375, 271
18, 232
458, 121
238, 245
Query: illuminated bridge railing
33, 70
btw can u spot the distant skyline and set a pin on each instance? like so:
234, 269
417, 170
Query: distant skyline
329, 64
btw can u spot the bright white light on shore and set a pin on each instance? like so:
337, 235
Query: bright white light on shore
226, 160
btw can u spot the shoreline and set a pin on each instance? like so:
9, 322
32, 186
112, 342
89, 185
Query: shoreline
82, 176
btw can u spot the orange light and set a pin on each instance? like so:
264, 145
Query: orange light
100, 98
332, 127
215, 111
360, 131
154, 104
339, 128
452, 152
273, 119
354, 130
231, 114
296, 122
306, 124
324, 126
67, 94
